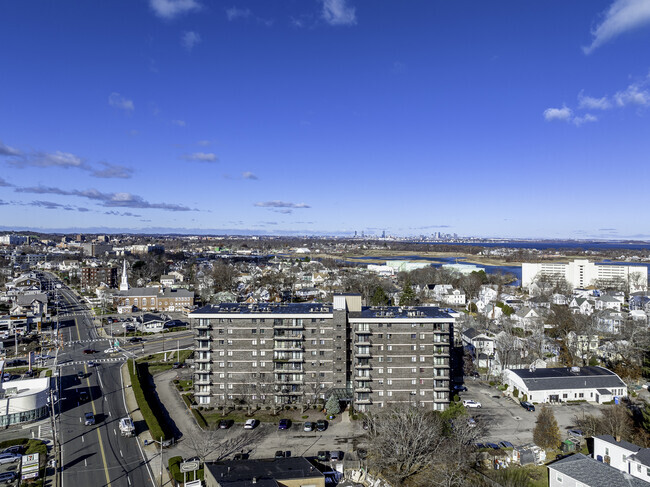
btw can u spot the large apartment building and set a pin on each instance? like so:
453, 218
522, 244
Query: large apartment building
93, 277
304, 352
582, 273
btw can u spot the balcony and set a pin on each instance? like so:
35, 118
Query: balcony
203, 360
363, 366
363, 388
366, 400
288, 324
362, 378
363, 341
287, 368
289, 347
204, 393
288, 392
203, 346
294, 380
364, 354
288, 336
202, 382
204, 326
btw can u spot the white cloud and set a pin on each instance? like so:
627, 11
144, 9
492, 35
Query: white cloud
563, 113
588, 117
180, 123
280, 204
118, 101
190, 39
248, 175
622, 16
336, 12
5, 150
201, 157
57, 159
168, 9
635, 94
234, 13
112, 171
590, 103
204, 143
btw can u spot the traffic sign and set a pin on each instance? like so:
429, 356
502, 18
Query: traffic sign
189, 466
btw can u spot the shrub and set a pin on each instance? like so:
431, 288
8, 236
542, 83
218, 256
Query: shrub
525, 398
492, 383
147, 401
268, 408
175, 468
515, 392
305, 417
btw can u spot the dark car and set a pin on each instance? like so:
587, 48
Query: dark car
336, 455
460, 388
577, 433
284, 424
176, 365
323, 455
135, 340
479, 445
506, 444
89, 351
224, 424
8, 477
321, 425
527, 406
83, 396
81, 374
279, 454
494, 446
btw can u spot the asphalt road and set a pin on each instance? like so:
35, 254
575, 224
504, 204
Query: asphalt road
94, 455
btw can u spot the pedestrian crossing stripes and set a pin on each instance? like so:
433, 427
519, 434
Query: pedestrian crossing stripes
97, 361
90, 340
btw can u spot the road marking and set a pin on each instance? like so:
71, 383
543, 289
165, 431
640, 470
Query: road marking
85, 462
82, 438
114, 432
121, 453
129, 480
99, 377
99, 435
109, 414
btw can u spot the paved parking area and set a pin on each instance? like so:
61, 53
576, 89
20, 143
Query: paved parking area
506, 420
11, 467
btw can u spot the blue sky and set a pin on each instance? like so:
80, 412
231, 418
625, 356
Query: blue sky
499, 118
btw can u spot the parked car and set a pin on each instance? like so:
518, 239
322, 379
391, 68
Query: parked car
284, 424
527, 405
90, 363
224, 424
494, 446
16, 449
459, 388
577, 433
308, 426
279, 454
89, 419
506, 444
177, 365
250, 424
479, 445
9, 458
8, 477
323, 455
468, 403
321, 425
336, 455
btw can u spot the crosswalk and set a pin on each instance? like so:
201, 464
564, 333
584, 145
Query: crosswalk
96, 361
89, 340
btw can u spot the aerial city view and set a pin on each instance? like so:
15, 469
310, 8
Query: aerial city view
319, 243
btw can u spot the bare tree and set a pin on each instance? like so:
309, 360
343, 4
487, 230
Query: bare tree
403, 440
209, 444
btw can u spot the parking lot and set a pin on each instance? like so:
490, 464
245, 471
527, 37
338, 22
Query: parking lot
506, 420
10, 467
269, 439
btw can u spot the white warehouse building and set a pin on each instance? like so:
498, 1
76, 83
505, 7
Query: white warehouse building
581, 273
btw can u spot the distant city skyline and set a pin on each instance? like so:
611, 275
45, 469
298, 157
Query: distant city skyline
326, 117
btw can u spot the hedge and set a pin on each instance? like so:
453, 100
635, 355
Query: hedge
203, 424
145, 400
16, 441
175, 470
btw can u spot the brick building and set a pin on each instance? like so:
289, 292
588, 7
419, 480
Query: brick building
303, 352
93, 277
154, 298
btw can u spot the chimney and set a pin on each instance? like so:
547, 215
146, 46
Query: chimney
618, 438
254, 481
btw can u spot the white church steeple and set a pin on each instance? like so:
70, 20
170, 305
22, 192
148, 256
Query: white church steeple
124, 284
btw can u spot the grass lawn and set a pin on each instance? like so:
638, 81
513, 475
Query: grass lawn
171, 356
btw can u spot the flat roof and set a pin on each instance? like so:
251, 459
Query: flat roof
234, 473
569, 378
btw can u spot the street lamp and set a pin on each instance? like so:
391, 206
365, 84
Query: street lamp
161, 456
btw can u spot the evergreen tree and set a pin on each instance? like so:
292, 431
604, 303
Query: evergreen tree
379, 298
546, 433
332, 405
408, 295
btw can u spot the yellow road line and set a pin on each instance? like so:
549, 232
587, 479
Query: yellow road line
99, 435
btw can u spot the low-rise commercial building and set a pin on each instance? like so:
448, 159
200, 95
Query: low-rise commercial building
22, 401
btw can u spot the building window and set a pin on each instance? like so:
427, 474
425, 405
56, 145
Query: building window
254, 342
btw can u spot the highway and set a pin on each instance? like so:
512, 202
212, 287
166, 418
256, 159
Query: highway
94, 455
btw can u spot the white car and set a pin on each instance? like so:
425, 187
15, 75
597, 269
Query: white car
250, 424
468, 403
9, 458
112, 350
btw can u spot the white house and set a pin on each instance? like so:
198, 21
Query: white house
622, 455
579, 470
562, 384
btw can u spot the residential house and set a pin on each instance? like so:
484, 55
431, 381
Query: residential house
582, 306
527, 318
578, 470
584, 345
608, 302
455, 297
